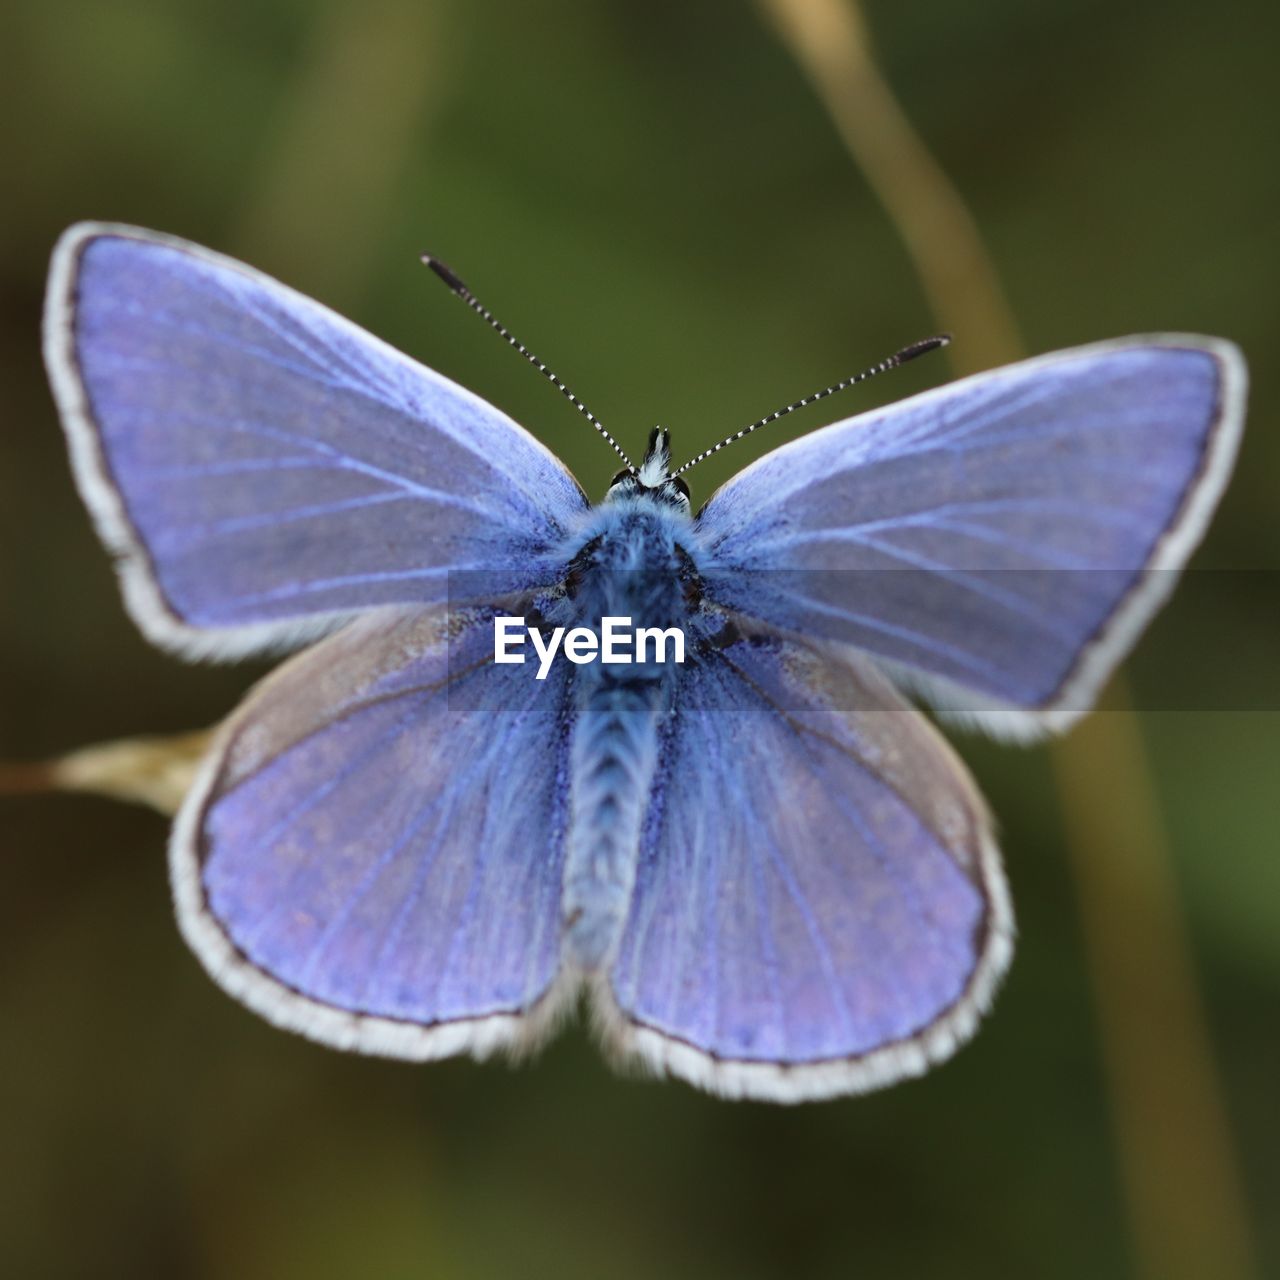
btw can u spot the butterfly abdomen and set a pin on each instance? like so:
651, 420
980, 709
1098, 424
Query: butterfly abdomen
613, 759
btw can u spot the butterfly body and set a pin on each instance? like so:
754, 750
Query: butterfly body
636, 561
633, 569
770, 874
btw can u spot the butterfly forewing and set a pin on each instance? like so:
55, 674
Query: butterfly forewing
1001, 541
263, 466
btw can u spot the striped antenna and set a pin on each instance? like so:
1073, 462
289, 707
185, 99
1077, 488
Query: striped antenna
486, 315
899, 357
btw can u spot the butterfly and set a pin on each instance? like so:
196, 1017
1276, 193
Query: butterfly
762, 868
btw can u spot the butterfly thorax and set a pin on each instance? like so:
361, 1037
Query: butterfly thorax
634, 565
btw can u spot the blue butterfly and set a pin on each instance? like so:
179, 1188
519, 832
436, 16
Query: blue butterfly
766, 871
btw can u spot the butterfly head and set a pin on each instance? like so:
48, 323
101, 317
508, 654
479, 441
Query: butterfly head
652, 480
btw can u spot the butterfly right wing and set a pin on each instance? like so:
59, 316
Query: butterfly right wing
998, 543
372, 853
262, 467
819, 907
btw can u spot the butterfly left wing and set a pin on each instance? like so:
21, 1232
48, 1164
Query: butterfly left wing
819, 907
263, 468
1000, 542
372, 853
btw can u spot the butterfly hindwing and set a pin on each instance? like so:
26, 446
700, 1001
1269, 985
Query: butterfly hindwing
263, 467
819, 907
373, 852
1001, 541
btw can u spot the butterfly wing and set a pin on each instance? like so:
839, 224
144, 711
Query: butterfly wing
372, 854
263, 467
819, 907
999, 542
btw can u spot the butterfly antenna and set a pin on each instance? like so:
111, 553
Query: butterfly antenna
487, 316
899, 357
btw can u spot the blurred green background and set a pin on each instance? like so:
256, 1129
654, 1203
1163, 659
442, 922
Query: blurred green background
652, 197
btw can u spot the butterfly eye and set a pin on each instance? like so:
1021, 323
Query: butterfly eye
680, 484
619, 477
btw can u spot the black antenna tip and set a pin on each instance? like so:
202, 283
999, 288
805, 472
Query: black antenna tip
446, 274
919, 348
